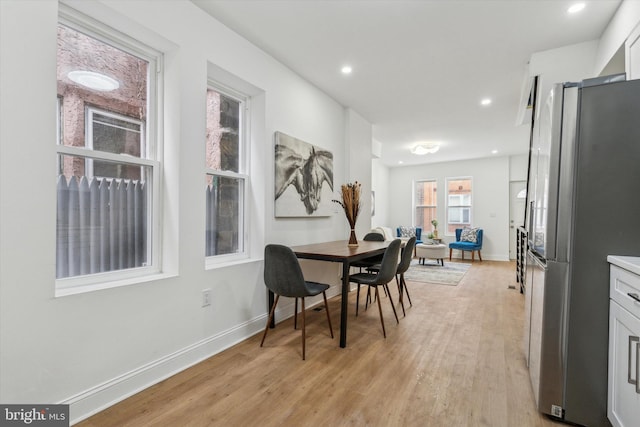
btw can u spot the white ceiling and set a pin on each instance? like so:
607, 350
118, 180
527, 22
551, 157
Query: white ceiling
420, 68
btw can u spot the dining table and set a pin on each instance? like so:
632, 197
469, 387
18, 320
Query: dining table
341, 252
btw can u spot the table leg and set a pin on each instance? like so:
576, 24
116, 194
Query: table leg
345, 304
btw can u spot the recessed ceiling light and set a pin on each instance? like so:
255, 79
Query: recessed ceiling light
485, 101
494, 151
575, 8
400, 162
346, 69
95, 81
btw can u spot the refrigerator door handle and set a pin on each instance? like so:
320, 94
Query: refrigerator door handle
630, 380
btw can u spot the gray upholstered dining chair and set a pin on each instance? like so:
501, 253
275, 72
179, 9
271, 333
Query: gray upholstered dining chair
385, 274
283, 276
368, 262
403, 266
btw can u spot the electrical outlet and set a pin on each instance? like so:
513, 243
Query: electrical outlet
206, 297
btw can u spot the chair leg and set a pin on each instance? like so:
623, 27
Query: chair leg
326, 308
295, 314
400, 290
450, 253
273, 309
304, 325
479, 255
357, 299
384, 333
391, 301
404, 287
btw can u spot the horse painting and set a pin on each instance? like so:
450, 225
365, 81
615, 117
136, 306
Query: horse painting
305, 168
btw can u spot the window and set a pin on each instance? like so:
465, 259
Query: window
225, 180
426, 203
459, 204
108, 171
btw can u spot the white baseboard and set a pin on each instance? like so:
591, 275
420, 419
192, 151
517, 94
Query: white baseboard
93, 400
485, 257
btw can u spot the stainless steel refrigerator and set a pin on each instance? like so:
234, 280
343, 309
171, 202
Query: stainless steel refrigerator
584, 204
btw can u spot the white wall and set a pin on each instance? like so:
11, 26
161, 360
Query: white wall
359, 138
490, 198
380, 184
93, 349
565, 64
622, 24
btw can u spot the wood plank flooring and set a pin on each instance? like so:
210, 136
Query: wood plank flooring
455, 360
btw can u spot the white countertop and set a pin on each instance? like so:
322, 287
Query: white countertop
630, 263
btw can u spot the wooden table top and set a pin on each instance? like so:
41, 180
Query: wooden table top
339, 250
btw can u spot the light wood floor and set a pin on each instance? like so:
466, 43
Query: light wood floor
454, 360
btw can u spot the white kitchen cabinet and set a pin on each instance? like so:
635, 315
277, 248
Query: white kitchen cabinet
623, 408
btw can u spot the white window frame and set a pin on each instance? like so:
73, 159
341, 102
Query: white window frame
152, 142
469, 207
243, 166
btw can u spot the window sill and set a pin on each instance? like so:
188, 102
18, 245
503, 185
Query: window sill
82, 289
213, 264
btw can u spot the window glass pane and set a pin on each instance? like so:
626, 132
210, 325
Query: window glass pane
424, 216
102, 222
93, 73
426, 197
223, 132
426, 193
224, 198
116, 135
459, 216
459, 194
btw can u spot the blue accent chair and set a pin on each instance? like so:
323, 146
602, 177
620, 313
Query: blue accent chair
418, 234
466, 246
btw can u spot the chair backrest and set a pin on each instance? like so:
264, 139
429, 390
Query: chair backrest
373, 237
404, 231
419, 233
389, 264
407, 256
282, 272
478, 236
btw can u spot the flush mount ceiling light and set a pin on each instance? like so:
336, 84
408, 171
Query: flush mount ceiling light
575, 8
485, 101
95, 81
422, 149
346, 69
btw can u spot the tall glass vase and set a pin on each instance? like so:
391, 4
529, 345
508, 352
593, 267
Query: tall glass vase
353, 241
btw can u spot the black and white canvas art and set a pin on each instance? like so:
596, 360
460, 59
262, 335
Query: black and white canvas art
304, 178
